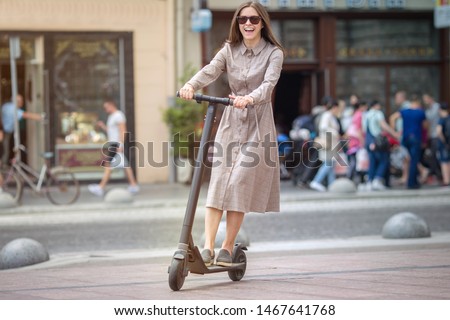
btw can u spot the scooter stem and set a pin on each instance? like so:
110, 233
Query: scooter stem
197, 177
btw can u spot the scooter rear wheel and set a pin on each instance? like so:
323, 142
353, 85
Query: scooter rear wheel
176, 274
238, 257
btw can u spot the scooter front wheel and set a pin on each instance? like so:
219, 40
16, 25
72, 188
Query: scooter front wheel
238, 257
176, 274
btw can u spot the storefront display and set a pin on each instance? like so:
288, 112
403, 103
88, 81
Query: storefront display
86, 72
80, 143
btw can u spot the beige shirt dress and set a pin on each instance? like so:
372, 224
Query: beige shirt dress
245, 175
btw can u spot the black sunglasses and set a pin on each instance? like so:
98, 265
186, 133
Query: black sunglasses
253, 19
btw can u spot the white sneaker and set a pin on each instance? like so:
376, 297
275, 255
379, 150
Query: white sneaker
96, 189
133, 189
317, 186
378, 185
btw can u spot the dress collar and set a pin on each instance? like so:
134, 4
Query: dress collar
256, 50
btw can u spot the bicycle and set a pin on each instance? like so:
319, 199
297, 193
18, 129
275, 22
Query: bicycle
58, 183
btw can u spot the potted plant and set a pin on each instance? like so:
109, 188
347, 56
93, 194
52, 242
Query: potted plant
185, 120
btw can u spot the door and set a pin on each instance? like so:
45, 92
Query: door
320, 86
297, 93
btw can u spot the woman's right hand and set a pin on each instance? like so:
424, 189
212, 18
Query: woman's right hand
187, 92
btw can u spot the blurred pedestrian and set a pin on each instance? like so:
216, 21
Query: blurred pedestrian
402, 102
116, 129
1, 139
356, 137
348, 111
328, 138
375, 128
304, 131
8, 118
414, 122
432, 112
443, 132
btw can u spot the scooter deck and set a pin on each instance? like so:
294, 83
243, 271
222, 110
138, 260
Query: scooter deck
200, 268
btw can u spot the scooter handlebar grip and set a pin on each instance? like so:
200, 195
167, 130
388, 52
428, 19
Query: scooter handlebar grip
200, 97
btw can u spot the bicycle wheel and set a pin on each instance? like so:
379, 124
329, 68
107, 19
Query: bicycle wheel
10, 183
62, 187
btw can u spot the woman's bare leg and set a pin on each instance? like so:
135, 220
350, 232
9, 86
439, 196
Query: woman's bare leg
234, 222
212, 221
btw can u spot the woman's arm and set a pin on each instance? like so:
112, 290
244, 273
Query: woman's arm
211, 71
389, 129
264, 92
393, 118
440, 133
206, 75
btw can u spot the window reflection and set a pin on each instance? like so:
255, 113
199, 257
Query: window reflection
297, 37
414, 80
388, 40
366, 82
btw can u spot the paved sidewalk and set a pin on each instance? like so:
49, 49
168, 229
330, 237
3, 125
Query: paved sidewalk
364, 268
357, 268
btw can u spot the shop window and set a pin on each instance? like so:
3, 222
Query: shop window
86, 71
297, 37
386, 40
26, 54
414, 80
366, 82
370, 82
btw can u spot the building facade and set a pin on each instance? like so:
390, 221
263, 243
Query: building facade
372, 48
74, 54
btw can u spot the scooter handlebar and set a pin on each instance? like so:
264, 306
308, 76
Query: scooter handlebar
214, 100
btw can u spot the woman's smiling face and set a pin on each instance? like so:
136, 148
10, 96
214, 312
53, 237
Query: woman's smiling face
250, 32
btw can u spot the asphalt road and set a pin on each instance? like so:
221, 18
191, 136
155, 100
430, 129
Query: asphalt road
137, 230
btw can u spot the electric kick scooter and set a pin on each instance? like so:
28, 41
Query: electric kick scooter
187, 258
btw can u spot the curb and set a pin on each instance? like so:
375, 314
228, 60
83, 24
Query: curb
281, 248
174, 200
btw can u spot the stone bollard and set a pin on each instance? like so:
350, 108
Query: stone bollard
405, 225
22, 252
118, 195
241, 237
342, 185
6, 200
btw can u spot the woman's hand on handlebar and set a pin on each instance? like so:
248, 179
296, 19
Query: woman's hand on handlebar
241, 102
187, 92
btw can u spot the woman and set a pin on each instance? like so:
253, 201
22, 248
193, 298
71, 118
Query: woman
247, 177
356, 136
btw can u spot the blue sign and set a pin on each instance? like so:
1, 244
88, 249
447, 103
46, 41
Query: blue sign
201, 20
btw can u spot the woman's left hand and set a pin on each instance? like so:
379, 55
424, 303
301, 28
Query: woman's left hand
241, 102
